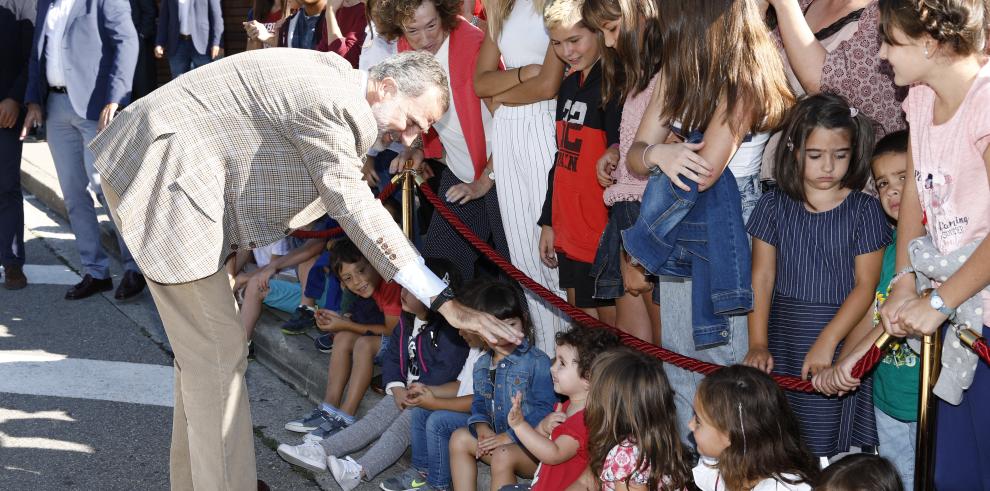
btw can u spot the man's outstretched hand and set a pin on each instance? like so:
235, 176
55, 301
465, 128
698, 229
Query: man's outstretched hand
480, 323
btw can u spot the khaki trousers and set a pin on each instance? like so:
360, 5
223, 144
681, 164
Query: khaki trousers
212, 439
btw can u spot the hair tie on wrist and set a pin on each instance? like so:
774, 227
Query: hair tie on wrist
519, 74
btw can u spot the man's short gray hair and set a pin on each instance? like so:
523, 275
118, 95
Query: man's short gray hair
414, 73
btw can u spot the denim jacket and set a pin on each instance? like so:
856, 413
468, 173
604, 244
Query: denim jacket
701, 235
526, 370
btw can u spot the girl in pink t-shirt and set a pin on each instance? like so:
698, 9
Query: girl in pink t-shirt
937, 47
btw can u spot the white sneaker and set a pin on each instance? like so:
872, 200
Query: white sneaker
345, 471
309, 455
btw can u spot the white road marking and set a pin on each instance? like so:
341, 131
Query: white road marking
7, 441
48, 374
44, 274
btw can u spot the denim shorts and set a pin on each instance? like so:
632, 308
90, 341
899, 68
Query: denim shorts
606, 269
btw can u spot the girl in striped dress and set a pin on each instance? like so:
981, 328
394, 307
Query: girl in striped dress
817, 250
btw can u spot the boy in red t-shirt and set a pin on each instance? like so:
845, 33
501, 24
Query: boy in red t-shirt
564, 455
355, 345
574, 213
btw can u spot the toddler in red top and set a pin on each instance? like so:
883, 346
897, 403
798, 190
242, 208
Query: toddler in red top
574, 213
564, 456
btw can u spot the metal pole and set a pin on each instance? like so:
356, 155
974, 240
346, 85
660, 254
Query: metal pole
924, 470
407, 200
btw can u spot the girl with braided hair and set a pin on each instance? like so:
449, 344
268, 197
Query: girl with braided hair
939, 49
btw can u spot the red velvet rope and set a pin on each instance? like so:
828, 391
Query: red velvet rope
667, 356
335, 232
982, 350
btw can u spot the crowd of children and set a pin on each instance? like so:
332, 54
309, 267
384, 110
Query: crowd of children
726, 178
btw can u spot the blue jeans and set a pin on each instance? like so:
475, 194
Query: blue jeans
186, 58
431, 432
673, 295
897, 440
68, 135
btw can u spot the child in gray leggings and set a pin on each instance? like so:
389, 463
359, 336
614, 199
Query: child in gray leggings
424, 350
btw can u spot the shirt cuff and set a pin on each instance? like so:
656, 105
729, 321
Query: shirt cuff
420, 281
392, 385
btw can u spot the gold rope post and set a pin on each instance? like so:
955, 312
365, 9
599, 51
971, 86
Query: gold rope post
407, 200
924, 470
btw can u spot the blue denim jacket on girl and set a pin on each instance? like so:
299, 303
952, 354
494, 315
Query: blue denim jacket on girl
526, 370
702, 236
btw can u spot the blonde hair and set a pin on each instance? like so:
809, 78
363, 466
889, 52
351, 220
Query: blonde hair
563, 13
498, 10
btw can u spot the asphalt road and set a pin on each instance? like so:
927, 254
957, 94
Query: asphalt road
86, 385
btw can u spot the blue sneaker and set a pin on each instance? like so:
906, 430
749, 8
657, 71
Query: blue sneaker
324, 342
310, 422
332, 425
303, 318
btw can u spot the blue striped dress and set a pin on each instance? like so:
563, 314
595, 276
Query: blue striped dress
816, 255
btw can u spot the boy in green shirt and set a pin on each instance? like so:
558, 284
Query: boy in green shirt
895, 379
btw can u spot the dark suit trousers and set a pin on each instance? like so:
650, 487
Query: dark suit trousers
11, 199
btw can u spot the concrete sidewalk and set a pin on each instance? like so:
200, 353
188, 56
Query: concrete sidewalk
294, 359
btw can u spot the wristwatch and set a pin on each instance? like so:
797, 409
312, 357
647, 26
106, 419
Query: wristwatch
443, 297
936, 302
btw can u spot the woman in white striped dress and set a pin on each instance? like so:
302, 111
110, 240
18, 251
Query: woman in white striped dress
523, 143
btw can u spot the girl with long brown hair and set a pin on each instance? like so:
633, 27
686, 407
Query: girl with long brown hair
630, 30
722, 82
747, 435
633, 442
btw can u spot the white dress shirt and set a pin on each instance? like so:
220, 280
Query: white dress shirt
55, 22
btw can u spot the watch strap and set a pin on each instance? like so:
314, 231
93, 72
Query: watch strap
935, 299
443, 297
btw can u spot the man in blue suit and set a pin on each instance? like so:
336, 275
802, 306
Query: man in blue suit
189, 31
81, 68
16, 30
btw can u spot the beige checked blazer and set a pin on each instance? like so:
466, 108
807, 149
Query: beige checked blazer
240, 152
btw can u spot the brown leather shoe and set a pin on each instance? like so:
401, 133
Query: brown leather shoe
131, 285
13, 277
87, 287
262, 485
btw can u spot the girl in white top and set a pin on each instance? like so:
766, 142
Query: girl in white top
524, 139
747, 436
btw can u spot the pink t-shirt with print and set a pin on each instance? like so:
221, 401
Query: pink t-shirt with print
949, 169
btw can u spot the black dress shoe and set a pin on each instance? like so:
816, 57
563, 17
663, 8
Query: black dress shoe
262, 485
14, 278
88, 287
131, 285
